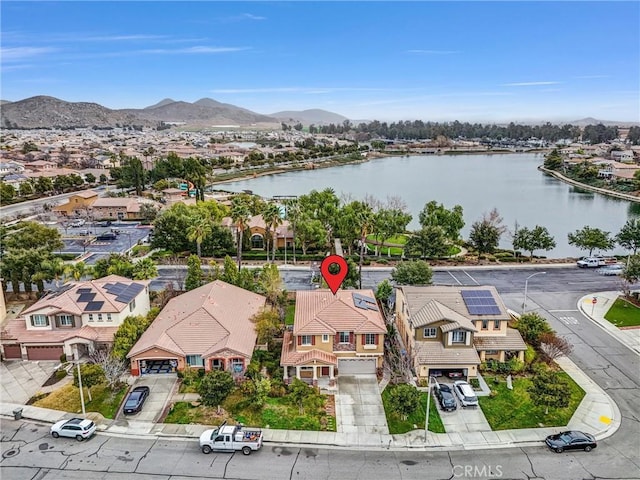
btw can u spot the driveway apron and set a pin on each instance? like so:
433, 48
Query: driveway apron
464, 419
22, 379
359, 407
161, 389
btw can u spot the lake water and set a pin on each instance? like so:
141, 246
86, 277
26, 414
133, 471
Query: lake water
509, 182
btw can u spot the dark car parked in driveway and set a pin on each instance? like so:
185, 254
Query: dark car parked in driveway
135, 400
571, 440
445, 397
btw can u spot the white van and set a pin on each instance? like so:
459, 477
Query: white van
465, 393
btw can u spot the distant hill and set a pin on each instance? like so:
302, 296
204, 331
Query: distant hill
309, 117
583, 122
50, 112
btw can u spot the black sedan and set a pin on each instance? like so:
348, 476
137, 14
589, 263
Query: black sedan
571, 440
135, 400
445, 397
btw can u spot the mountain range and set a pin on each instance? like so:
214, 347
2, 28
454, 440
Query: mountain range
49, 112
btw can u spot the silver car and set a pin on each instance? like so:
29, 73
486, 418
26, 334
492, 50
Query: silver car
465, 394
78, 428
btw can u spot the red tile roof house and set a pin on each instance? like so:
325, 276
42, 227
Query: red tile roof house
76, 320
345, 330
209, 327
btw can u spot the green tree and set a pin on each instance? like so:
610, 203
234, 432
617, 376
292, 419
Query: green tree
90, 178
589, 239
537, 238
428, 242
532, 326
7, 192
350, 222
388, 222
450, 221
144, 269
631, 272
548, 388
272, 218
114, 264
92, 375
414, 272
485, 234
77, 270
299, 392
199, 229
322, 206
53, 269
129, 332
384, 291
404, 399
148, 213
240, 215
103, 178
26, 189
214, 387
194, 273
310, 234
270, 284
230, 271
267, 325
553, 160
32, 235
629, 235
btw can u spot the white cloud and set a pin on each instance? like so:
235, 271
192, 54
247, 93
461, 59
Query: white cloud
20, 53
250, 16
190, 50
118, 38
529, 84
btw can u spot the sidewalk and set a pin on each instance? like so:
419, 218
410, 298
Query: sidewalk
597, 414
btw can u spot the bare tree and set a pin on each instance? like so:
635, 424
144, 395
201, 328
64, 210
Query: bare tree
113, 367
395, 202
553, 346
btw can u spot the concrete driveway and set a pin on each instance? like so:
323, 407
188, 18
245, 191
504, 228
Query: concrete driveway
22, 379
464, 419
359, 409
161, 390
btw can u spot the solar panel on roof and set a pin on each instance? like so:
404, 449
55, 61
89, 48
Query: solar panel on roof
93, 306
83, 290
480, 302
130, 293
86, 297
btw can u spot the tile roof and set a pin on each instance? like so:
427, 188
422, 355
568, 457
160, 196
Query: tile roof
434, 353
511, 341
291, 357
17, 330
71, 300
434, 311
204, 321
320, 312
451, 297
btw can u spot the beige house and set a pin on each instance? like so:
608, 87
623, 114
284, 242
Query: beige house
257, 232
77, 202
454, 329
208, 327
116, 208
333, 333
74, 320
171, 196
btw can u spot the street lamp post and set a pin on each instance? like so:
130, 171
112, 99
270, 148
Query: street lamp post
526, 284
81, 392
426, 419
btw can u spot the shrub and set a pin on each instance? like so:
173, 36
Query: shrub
60, 374
63, 358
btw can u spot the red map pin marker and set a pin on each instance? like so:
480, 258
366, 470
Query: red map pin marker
334, 280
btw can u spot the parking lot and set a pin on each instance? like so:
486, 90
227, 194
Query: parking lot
83, 239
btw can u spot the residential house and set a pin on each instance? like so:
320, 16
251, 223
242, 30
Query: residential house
80, 201
75, 320
116, 208
171, 196
454, 329
208, 327
40, 165
256, 229
10, 167
623, 156
344, 331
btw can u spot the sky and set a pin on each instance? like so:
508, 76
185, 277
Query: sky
433, 61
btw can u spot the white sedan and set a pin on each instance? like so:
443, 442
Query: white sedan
78, 428
611, 270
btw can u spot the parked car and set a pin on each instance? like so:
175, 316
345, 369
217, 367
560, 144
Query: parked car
135, 400
107, 236
455, 374
571, 440
608, 270
445, 397
78, 428
465, 393
77, 223
105, 224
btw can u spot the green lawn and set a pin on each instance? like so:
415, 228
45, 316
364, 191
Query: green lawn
290, 314
397, 240
623, 314
67, 399
398, 425
278, 413
511, 409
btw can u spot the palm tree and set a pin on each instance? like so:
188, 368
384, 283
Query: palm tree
272, 219
199, 229
292, 214
144, 269
240, 214
77, 270
53, 269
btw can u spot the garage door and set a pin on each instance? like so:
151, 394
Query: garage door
356, 366
44, 353
12, 351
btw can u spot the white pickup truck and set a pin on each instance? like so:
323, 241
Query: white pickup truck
229, 438
594, 262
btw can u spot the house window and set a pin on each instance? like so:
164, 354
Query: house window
99, 317
344, 337
485, 324
65, 320
195, 361
109, 319
306, 340
491, 352
429, 333
132, 305
325, 338
369, 338
217, 364
237, 365
496, 324
39, 320
459, 336
91, 317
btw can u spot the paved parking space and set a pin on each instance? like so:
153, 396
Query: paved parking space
463, 419
161, 390
22, 379
359, 407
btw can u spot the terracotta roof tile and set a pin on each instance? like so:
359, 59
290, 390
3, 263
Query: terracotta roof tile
511, 341
434, 353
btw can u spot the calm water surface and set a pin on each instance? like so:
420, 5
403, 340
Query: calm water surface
509, 182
